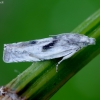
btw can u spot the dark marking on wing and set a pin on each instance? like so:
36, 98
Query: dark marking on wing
50, 45
28, 43
33, 42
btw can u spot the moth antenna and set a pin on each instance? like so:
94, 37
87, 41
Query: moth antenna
59, 34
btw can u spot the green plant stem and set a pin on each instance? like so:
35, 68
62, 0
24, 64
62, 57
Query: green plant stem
40, 81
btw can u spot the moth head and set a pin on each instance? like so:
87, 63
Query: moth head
85, 40
92, 41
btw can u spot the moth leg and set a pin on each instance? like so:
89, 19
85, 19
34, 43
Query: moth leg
65, 57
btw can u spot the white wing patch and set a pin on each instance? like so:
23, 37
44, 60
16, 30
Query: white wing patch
62, 45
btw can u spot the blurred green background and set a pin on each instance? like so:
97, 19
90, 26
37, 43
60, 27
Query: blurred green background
22, 20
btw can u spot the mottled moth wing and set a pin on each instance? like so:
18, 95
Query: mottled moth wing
24, 51
62, 45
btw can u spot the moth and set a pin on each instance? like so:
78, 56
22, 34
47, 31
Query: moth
63, 45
